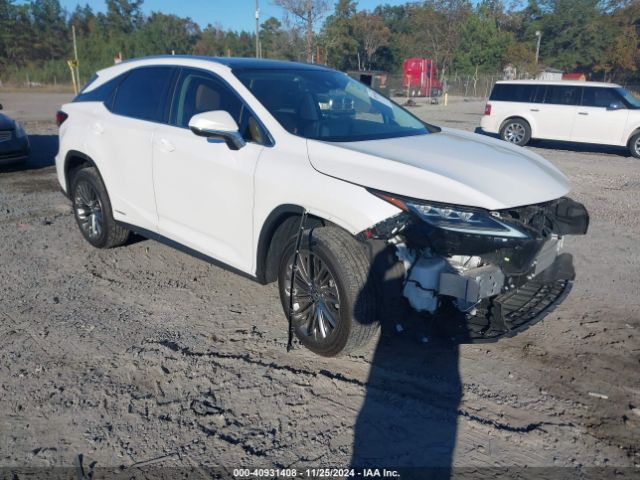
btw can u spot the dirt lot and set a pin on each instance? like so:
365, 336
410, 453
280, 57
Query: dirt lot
145, 356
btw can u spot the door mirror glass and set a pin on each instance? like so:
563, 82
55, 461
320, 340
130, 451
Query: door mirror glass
614, 106
217, 124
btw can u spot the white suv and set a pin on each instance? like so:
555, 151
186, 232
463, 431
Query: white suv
588, 112
298, 174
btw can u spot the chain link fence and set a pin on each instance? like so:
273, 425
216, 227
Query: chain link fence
456, 84
470, 86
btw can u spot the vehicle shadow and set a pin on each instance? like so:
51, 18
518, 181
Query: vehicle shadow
408, 420
42, 154
568, 146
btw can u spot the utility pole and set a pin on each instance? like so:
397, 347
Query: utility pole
73, 64
75, 54
258, 53
539, 35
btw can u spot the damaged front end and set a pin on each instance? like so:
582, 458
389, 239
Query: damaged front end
497, 271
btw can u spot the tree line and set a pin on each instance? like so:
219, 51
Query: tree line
598, 37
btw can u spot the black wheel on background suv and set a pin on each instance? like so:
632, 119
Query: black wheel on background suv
334, 308
634, 145
516, 131
92, 210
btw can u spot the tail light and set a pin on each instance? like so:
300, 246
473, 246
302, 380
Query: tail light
487, 109
61, 117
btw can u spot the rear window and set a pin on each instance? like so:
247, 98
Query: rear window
513, 92
144, 94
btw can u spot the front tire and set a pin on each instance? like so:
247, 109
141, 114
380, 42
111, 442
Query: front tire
516, 131
92, 210
634, 145
334, 308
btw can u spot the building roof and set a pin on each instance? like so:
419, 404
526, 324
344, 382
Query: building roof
573, 76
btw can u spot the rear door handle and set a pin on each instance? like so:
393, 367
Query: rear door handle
165, 145
98, 128
583, 113
535, 110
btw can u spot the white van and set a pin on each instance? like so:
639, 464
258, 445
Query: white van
589, 112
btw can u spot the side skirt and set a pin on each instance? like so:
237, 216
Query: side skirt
184, 249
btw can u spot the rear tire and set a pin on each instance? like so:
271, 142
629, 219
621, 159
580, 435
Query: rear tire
516, 131
634, 145
333, 294
92, 210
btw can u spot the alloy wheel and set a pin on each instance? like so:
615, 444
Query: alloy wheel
316, 299
514, 133
88, 209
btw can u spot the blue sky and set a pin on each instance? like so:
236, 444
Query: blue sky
231, 14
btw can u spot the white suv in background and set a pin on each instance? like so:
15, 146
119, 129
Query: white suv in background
588, 112
299, 174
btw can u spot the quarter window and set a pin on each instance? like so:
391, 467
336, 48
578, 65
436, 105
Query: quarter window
144, 94
104, 93
513, 92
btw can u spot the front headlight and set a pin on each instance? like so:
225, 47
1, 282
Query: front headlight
456, 218
20, 132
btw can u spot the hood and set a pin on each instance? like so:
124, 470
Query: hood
6, 123
451, 166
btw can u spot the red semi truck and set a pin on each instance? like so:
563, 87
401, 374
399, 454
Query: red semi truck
420, 78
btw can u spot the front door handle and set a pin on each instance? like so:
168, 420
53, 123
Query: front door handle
165, 145
535, 110
583, 113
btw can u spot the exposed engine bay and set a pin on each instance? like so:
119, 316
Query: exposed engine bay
501, 271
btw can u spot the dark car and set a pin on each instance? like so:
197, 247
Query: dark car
14, 142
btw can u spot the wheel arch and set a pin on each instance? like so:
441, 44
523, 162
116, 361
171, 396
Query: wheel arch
634, 131
266, 260
518, 117
74, 161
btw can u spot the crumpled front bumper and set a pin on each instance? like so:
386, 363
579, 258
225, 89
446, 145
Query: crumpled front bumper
517, 281
511, 312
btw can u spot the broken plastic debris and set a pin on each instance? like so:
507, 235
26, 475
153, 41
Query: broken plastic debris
399, 328
599, 395
425, 339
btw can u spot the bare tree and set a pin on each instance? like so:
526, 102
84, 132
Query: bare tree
306, 13
371, 32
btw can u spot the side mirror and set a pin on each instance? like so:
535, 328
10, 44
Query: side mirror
218, 124
614, 106
1, 107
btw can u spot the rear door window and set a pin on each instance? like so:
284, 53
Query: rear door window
563, 95
145, 94
600, 97
540, 92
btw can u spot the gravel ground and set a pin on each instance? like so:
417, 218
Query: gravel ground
144, 356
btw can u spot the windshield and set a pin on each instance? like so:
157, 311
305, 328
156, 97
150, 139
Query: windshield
328, 105
629, 97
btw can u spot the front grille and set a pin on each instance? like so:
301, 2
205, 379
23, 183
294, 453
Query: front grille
5, 135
